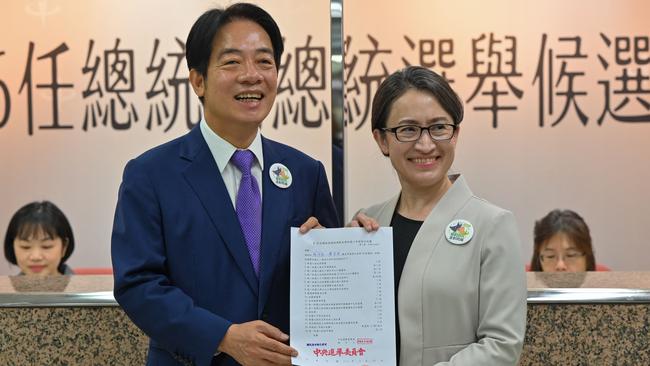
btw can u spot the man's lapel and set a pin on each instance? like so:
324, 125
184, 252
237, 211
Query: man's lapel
276, 209
203, 176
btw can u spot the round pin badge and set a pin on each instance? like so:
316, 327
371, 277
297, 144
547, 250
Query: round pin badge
459, 232
280, 175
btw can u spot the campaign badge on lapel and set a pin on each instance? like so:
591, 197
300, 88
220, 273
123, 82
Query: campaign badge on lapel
459, 232
280, 175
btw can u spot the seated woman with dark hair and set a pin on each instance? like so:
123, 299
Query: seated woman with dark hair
39, 240
562, 244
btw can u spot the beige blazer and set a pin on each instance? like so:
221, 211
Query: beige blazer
461, 304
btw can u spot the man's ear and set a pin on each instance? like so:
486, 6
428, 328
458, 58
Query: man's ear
380, 139
198, 82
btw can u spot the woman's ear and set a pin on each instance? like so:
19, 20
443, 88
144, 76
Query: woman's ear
380, 139
456, 133
64, 247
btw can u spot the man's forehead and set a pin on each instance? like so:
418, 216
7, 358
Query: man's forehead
239, 31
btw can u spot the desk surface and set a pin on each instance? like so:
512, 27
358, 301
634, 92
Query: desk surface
88, 290
41, 326
29, 291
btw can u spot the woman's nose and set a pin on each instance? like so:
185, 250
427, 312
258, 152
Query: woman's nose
35, 254
425, 142
560, 266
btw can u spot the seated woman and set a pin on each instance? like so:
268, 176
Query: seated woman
39, 240
562, 244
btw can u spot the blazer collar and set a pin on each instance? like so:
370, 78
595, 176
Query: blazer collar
429, 236
433, 228
202, 174
451, 202
277, 206
222, 150
441, 214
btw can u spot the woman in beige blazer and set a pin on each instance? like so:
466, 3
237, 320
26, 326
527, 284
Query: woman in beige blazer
461, 296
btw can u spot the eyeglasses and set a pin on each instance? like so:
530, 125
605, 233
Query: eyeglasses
568, 257
410, 133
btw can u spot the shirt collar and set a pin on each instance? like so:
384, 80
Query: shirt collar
222, 150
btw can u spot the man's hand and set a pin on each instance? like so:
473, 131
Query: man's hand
311, 223
361, 219
257, 343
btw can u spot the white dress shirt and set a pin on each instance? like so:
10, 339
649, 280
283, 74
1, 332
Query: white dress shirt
223, 150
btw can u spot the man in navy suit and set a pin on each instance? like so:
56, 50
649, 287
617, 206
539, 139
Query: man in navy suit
200, 243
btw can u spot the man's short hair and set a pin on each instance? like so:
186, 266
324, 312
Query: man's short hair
201, 37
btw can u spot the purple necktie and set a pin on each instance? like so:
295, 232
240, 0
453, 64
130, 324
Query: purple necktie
249, 206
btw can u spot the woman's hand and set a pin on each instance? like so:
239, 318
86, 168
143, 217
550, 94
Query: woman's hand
367, 222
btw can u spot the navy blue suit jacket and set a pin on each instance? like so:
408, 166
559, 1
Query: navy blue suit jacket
182, 269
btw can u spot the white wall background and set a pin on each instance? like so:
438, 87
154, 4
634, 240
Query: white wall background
599, 171
79, 170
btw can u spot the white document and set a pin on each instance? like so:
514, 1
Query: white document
342, 297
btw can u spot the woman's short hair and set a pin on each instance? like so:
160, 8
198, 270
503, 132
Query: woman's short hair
35, 217
418, 78
568, 223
